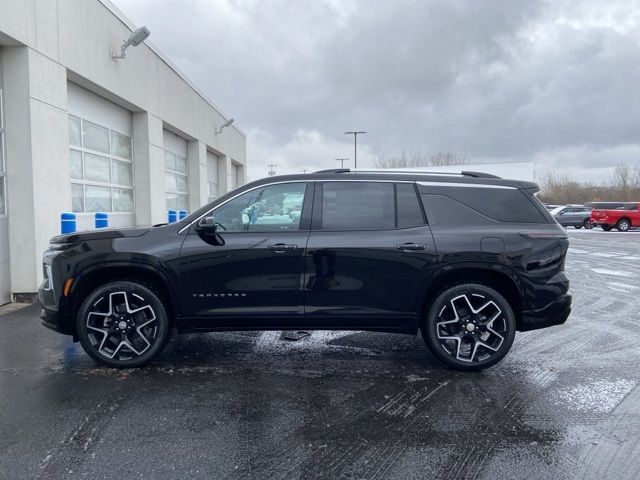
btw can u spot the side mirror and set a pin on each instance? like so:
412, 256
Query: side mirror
207, 226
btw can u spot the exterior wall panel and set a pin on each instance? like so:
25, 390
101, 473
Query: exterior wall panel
57, 61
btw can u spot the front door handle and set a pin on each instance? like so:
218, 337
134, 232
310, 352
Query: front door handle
411, 246
282, 247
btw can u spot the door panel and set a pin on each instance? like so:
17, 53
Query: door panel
248, 274
248, 278
362, 279
366, 278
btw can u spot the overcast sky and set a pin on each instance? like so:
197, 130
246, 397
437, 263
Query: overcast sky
553, 81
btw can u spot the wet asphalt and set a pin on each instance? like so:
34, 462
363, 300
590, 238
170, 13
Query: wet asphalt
565, 403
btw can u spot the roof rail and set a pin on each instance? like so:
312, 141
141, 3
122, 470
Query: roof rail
463, 173
478, 174
334, 170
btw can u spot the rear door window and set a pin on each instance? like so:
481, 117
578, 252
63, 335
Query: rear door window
358, 206
408, 206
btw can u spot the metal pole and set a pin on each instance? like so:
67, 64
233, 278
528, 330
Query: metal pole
355, 151
355, 146
342, 160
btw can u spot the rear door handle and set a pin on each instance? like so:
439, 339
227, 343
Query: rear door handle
411, 246
282, 247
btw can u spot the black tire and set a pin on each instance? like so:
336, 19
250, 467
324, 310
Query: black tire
133, 318
587, 224
471, 327
623, 225
577, 227
606, 228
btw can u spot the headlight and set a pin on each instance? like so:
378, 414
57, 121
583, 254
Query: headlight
61, 246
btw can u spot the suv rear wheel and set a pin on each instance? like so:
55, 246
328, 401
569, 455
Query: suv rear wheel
469, 327
122, 324
623, 225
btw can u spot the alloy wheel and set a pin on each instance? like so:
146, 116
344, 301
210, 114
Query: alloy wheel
121, 325
471, 328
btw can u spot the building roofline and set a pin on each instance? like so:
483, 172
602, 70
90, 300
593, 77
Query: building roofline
131, 26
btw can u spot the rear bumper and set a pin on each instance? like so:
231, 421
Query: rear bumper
556, 313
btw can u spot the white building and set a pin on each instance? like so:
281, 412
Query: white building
83, 132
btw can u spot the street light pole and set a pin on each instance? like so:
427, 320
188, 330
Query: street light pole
355, 146
342, 160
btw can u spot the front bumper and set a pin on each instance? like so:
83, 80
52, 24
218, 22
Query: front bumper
51, 317
556, 313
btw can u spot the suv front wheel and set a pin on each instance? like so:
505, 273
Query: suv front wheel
469, 327
122, 324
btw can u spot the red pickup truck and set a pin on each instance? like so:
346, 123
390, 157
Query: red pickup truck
623, 218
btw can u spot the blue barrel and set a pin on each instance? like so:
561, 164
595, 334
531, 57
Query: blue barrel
182, 214
173, 216
67, 222
102, 220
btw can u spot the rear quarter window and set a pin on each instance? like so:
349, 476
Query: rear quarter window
500, 204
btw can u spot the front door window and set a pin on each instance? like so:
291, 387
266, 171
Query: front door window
273, 208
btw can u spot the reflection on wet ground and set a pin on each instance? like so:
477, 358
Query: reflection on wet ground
564, 404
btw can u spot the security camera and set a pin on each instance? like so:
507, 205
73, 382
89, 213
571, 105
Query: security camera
225, 124
135, 39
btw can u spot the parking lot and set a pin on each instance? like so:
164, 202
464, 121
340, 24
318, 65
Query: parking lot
565, 403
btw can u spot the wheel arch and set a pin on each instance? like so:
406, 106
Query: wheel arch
498, 277
92, 277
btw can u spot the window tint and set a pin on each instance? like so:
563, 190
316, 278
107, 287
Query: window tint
358, 206
502, 204
444, 210
409, 210
272, 208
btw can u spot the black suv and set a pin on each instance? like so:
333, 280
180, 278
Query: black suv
466, 259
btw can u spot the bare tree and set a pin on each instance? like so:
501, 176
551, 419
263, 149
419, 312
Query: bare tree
403, 161
623, 186
448, 158
623, 177
419, 159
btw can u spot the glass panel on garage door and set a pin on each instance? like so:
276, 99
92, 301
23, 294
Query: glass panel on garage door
176, 171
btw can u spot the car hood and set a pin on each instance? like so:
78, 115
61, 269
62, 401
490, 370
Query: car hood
102, 234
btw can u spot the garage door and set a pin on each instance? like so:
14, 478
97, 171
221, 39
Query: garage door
101, 156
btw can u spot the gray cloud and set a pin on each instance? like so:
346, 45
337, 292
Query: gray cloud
544, 80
